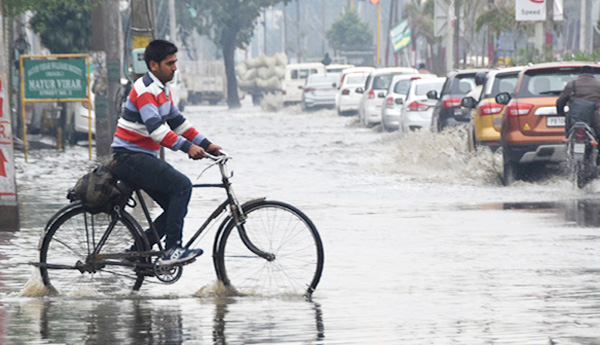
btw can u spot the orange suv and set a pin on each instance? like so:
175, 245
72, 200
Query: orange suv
531, 132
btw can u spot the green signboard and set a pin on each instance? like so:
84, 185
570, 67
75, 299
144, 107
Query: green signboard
400, 36
55, 78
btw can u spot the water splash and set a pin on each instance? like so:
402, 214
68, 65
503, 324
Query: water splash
272, 102
217, 289
444, 157
34, 287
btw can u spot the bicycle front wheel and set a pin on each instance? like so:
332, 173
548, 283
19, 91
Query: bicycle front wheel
86, 254
295, 252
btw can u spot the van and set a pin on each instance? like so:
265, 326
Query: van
295, 78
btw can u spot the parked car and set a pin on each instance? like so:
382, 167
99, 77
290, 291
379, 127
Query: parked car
373, 93
447, 111
295, 78
417, 109
531, 131
347, 99
394, 99
319, 91
486, 115
78, 115
337, 68
178, 91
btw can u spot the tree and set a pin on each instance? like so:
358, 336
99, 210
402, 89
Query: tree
420, 19
348, 32
230, 25
498, 18
64, 26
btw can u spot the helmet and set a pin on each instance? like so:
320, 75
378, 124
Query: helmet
480, 78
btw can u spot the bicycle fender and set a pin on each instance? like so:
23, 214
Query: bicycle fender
224, 224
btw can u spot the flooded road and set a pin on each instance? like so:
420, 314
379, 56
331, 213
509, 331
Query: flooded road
422, 245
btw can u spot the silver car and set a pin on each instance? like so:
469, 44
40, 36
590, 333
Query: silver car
417, 109
394, 98
319, 91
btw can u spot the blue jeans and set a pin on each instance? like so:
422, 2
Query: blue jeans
165, 185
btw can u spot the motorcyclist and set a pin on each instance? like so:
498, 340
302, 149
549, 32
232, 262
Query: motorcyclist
585, 87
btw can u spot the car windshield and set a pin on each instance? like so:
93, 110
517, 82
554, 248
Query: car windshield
422, 89
503, 83
548, 82
460, 84
382, 82
402, 86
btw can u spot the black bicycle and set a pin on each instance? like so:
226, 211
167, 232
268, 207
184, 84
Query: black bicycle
260, 247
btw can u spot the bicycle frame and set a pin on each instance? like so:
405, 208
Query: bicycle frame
236, 212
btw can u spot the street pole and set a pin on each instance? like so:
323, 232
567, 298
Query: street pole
9, 208
106, 41
173, 23
378, 33
456, 38
549, 30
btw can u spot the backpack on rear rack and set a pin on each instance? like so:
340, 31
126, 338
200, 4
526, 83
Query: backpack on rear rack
97, 190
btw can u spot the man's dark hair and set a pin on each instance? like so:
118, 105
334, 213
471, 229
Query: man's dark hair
586, 69
158, 50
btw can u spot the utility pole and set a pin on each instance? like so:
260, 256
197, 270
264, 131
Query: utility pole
586, 34
106, 42
549, 30
173, 23
9, 208
456, 38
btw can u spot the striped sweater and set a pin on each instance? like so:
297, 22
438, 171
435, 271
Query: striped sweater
150, 119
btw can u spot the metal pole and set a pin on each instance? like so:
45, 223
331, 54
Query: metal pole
378, 33
23, 108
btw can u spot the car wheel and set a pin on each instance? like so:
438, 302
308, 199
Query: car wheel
471, 141
509, 172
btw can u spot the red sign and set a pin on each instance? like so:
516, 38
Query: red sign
376, 2
2, 161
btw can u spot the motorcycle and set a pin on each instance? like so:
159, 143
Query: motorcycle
582, 154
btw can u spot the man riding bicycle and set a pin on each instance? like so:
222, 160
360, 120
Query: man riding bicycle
585, 91
150, 120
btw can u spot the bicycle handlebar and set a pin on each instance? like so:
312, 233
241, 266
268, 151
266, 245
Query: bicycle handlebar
222, 157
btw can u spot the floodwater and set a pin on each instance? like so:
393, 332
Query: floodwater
422, 245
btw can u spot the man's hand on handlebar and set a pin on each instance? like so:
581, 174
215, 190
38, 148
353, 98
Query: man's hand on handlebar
214, 150
197, 152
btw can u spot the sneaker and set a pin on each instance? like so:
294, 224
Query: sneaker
178, 255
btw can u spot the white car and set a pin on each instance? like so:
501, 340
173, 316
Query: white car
295, 78
373, 93
417, 108
78, 116
395, 96
319, 91
347, 99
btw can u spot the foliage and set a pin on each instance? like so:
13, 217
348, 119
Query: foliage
420, 19
498, 19
580, 56
64, 26
225, 20
229, 24
349, 31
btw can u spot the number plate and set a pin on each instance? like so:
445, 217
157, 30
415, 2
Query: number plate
555, 121
578, 148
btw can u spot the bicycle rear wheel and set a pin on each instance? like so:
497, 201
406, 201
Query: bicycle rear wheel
287, 235
68, 265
